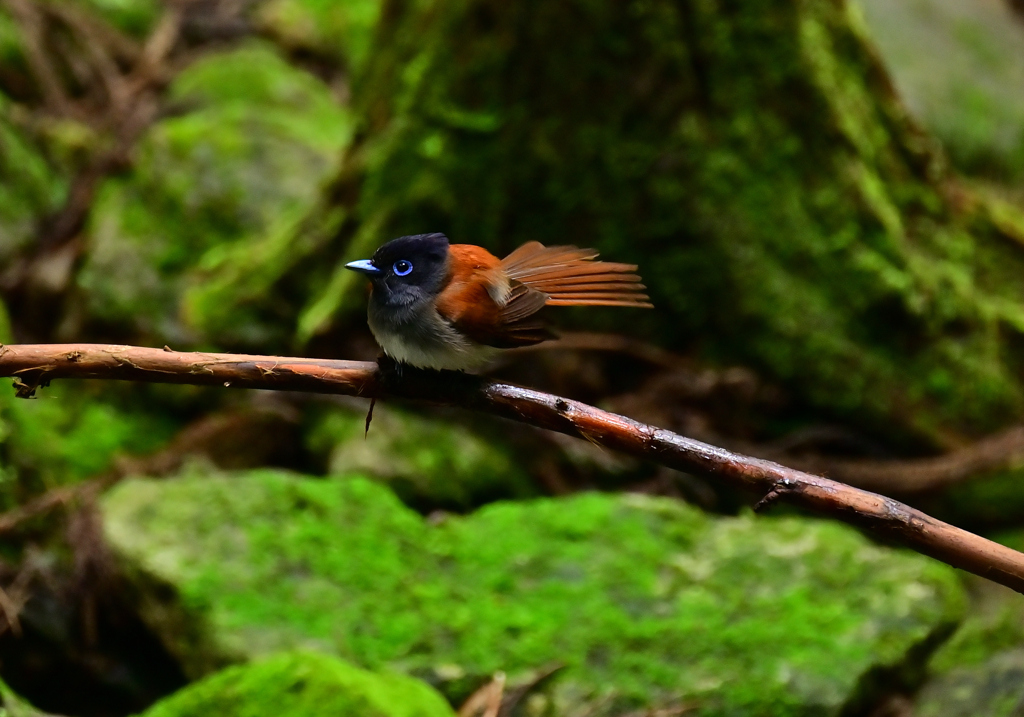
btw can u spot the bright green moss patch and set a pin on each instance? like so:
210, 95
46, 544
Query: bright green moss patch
303, 685
646, 601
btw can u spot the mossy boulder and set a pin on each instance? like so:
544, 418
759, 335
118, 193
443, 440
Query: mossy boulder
980, 670
430, 463
994, 688
645, 602
303, 684
239, 165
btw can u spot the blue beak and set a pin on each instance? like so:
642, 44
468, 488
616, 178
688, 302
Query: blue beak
365, 266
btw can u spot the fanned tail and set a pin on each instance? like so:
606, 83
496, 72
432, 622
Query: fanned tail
569, 276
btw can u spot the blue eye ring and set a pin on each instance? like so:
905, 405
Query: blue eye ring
402, 267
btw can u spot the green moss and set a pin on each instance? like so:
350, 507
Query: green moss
993, 689
303, 685
646, 601
11, 49
6, 335
994, 623
67, 434
216, 186
430, 463
31, 186
339, 31
797, 216
989, 630
953, 63
135, 17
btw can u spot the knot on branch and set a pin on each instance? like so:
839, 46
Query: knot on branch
781, 488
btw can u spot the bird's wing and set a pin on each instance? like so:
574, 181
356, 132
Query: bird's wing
569, 276
484, 304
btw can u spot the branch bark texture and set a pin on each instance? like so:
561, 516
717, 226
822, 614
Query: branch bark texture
36, 365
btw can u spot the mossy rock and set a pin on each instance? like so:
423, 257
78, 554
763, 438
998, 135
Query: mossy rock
980, 669
645, 602
430, 463
303, 684
994, 624
994, 688
238, 166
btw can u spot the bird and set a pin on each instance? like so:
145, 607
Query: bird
442, 306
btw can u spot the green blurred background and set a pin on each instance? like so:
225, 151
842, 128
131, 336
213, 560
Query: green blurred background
825, 199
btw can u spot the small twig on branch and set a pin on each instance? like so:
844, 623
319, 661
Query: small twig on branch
36, 365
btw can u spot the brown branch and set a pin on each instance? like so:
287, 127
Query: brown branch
41, 505
1002, 451
131, 108
36, 365
123, 47
28, 16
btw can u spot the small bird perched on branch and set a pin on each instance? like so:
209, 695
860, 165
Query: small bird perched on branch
450, 306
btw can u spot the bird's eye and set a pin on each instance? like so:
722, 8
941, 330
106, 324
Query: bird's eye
402, 267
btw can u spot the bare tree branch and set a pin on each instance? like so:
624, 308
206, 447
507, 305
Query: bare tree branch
1002, 451
36, 365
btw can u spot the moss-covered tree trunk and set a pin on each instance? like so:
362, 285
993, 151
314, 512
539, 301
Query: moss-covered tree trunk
752, 157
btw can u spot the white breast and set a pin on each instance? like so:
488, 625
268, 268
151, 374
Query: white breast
429, 342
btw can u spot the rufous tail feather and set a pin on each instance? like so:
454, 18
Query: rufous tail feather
569, 276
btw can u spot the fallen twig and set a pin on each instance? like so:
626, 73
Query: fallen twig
37, 365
